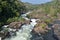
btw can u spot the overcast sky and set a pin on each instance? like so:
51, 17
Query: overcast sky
36, 1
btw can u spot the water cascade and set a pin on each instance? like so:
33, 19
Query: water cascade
24, 32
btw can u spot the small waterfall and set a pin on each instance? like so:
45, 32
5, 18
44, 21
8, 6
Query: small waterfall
25, 32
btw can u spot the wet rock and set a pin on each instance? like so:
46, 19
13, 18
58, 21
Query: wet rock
12, 33
27, 22
56, 21
15, 25
56, 28
3, 34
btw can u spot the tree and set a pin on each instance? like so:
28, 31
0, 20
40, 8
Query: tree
10, 9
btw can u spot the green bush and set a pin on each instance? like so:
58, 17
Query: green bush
15, 19
10, 10
48, 20
21, 19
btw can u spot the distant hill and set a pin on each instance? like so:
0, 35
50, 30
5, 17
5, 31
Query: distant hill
31, 6
52, 9
53, 5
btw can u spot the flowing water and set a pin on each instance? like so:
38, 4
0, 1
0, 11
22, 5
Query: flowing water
25, 32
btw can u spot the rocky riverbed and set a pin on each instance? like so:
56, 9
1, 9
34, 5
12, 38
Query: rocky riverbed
52, 33
31, 29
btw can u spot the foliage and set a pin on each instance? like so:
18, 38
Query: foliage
12, 20
21, 19
9, 10
48, 20
43, 25
48, 10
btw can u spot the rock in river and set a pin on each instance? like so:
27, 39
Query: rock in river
15, 25
41, 28
56, 28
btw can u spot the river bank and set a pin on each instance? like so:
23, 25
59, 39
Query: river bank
42, 31
23, 33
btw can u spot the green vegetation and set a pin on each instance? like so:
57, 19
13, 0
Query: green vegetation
31, 6
10, 10
47, 11
48, 21
43, 25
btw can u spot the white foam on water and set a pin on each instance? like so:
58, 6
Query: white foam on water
0, 38
24, 32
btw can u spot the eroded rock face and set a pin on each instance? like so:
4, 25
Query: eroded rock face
56, 28
15, 25
41, 28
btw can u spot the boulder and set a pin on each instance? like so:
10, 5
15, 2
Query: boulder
27, 22
15, 25
56, 28
41, 28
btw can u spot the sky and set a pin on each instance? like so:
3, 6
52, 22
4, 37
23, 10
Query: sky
36, 1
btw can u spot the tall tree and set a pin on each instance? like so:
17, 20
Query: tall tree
10, 9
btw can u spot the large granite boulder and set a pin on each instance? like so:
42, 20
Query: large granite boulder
56, 28
15, 25
41, 28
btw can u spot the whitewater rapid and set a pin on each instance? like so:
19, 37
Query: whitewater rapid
25, 32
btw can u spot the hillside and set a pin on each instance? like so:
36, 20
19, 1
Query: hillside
48, 14
51, 8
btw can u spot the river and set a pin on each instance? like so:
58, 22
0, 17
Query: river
25, 32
